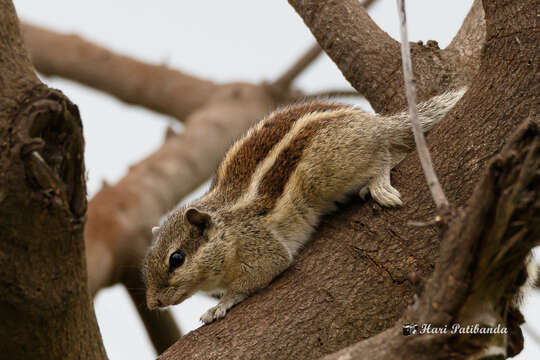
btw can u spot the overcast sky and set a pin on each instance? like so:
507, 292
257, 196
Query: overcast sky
250, 40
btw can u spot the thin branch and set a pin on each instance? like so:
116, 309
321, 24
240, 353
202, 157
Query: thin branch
410, 89
285, 80
537, 283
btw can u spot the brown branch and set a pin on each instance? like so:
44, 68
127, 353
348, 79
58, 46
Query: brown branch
284, 81
355, 279
44, 304
537, 283
369, 59
156, 87
410, 90
466, 46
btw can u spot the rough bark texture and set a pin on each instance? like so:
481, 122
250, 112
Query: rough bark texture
482, 255
358, 275
44, 304
353, 280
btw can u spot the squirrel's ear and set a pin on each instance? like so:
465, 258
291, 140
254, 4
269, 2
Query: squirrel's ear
155, 230
198, 218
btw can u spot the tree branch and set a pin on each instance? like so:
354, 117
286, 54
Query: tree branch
468, 287
284, 81
466, 46
156, 87
369, 58
160, 325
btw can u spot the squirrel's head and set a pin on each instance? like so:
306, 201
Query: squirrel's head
179, 260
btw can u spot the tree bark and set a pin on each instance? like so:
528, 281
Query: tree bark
44, 304
371, 61
354, 280
481, 259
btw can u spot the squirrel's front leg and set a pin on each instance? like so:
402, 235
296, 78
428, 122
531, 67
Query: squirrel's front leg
227, 301
252, 274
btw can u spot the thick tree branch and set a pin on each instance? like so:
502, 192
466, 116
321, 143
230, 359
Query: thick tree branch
469, 286
364, 256
284, 81
44, 304
466, 46
156, 87
370, 60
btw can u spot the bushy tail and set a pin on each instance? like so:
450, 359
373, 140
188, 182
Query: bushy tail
430, 113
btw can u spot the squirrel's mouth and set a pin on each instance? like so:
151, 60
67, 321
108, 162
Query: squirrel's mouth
163, 299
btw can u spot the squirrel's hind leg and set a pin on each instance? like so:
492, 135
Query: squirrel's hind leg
380, 187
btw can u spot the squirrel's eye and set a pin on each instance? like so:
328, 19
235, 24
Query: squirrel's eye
177, 259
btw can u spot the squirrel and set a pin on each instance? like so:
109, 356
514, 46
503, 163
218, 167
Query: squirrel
268, 194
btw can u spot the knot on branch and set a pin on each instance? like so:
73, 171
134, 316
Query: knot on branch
52, 150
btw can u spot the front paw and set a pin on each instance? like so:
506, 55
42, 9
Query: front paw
215, 313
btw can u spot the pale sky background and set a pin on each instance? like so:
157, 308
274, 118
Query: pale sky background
250, 40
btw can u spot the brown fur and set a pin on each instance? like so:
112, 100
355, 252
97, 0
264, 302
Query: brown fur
274, 180
257, 144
